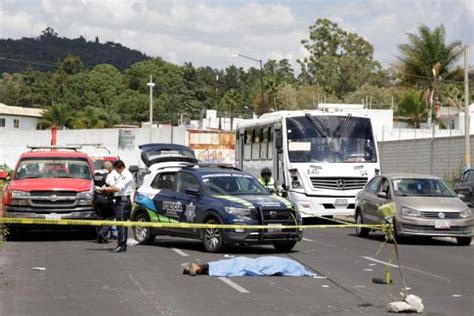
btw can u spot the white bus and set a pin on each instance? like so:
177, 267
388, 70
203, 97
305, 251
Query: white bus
322, 158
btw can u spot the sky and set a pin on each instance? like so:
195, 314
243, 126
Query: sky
211, 33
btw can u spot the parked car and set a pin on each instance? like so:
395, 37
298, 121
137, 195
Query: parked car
425, 206
189, 193
50, 183
465, 185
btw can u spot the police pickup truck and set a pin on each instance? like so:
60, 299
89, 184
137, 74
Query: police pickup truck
188, 193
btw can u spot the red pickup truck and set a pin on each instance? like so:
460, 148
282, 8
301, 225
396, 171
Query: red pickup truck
50, 183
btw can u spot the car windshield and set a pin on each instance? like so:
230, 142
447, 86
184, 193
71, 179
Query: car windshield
422, 187
30, 168
233, 184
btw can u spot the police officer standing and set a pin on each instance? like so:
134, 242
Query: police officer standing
266, 179
104, 202
120, 182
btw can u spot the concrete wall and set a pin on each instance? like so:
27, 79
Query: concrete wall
13, 142
443, 156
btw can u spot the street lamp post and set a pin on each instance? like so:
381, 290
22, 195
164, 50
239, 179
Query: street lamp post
151, 85
261, 75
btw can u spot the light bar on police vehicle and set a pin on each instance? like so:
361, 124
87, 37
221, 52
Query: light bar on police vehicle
75, 148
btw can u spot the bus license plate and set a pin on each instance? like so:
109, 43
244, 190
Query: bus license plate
341, 202
274, 228
442, 224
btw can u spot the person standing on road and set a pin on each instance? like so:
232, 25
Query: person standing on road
103, 201
120, 182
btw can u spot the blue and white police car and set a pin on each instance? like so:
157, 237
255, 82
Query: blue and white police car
188, 193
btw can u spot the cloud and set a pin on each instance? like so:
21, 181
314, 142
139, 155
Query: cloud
209, 32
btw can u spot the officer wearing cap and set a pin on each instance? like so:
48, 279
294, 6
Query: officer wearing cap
266, 179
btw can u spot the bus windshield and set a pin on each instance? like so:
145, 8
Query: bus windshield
341, 139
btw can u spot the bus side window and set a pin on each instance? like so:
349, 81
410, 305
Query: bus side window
264, 143
247, 145
255, 144
270, 143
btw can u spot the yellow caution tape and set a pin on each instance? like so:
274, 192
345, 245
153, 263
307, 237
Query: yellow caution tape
79, 222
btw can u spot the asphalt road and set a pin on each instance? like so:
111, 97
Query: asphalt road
84, 278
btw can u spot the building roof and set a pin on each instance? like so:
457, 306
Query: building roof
20, 111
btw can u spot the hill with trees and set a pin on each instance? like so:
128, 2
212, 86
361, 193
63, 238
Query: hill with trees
40, 52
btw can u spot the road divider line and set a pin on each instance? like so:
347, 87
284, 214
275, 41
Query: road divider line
408, 268
180, 252
233, 285
307, 239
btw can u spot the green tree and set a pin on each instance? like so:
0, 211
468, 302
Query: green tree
58, 114
71, 65
425, 59
411, 109
230, 102
372, 96
339, 62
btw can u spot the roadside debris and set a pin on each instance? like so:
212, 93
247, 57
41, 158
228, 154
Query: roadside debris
131, 242
411, 304
39, 268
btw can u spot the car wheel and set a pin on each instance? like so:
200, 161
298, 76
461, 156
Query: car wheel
284, 246
464, 241
361, 231
399, 239
143, 235
213, 238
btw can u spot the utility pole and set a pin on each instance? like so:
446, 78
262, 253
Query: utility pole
261, 81
151, 85
467, 125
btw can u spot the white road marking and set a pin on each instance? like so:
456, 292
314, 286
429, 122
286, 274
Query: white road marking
408, 268
359, 286
456, 295
180, 252
368, 270
324, 285
307, 239
233, 285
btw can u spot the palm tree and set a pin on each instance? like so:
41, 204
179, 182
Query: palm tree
272, 87
426, 59
91, 117
58, 114
231, 101
411, 109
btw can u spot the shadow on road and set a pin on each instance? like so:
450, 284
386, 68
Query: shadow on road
196, 245
46, 233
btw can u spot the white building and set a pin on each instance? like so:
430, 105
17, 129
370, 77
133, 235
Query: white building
15, 117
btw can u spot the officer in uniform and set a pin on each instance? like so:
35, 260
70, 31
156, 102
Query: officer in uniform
120, 183
266, 179
103, 201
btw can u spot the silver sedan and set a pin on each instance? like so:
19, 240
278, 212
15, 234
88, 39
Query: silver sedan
424, 206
